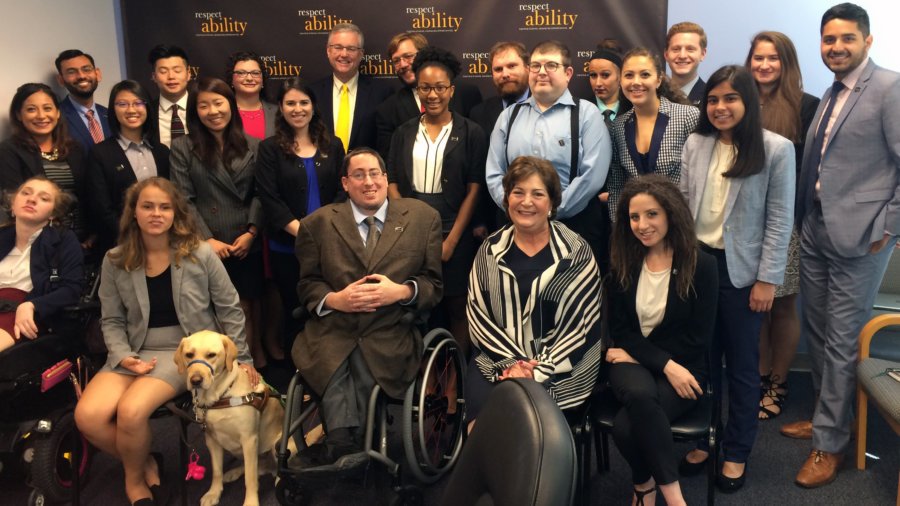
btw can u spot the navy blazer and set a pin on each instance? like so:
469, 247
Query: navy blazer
369, 93
486, 114
282, 184
109, 175
687, 326
696, 94
401, 107
463, 163
77, 129
55, 246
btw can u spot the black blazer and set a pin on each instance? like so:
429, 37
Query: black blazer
401, 107
54, 247
686, 329
464, 158
109, 176
369, 93
486, 114
281, 184
808, 106
18, 163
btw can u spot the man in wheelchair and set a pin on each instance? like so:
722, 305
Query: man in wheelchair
366, 267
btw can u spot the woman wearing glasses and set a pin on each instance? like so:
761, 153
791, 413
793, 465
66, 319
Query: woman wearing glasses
124, 158
439, 158
247, 75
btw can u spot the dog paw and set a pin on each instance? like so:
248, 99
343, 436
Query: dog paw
210, 498
233, 474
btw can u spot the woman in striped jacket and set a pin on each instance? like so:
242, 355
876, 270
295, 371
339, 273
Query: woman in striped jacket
534, 296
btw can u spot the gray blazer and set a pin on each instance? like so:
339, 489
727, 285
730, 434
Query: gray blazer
269, 112
860, 168
204, 299
759, 210
223, 201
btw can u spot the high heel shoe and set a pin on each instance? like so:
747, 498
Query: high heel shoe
157, 490
639, 495
144, 502
688, 468
729, 485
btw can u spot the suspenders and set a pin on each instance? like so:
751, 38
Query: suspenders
573, 116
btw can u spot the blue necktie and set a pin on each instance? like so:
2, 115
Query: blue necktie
815, 158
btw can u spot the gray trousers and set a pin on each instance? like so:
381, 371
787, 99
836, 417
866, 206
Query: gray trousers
837, 294
346, 397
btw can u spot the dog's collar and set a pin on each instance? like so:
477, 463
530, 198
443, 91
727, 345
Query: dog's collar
203, 362
256, 399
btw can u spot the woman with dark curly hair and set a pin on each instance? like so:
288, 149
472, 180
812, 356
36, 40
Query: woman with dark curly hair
439, 158
247, 75
662, 296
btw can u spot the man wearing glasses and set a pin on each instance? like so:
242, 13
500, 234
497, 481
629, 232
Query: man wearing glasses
552, 125
87, 120
404, 104
367, 266
348, 99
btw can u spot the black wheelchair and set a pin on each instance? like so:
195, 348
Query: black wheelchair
432, 414
40, 382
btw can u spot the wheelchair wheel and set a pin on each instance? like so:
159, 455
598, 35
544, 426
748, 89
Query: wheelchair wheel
51, 469
433, 409
289, 493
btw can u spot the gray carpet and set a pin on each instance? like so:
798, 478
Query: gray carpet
771, 469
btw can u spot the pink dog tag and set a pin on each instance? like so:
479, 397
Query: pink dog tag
195, 470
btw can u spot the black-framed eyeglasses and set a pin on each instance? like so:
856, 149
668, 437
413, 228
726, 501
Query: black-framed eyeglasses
361, 175
244, 73
439, 89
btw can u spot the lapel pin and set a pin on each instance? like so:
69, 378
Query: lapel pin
562, 142
454, 139
398, 229
856, 90
120, 167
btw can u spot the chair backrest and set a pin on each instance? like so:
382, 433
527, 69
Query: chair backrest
521, 452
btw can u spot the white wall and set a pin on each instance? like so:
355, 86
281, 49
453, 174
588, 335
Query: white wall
34, 33
730, 25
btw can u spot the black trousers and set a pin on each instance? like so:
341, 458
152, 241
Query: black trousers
642, 430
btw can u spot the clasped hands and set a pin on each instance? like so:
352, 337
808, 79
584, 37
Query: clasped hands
367, 294
682, 381
238, 249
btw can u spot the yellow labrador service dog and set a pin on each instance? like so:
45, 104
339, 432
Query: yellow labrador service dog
244, 420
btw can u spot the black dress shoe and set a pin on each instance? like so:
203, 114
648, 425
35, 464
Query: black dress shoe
157, 490
729, 485
144, 502
688, 468
325, 454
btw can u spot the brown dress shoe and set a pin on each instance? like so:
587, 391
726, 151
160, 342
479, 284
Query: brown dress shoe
819, 469
798, 430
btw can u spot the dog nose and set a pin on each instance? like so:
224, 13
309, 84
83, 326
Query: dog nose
196, 380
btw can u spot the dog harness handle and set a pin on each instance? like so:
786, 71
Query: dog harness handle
204, 362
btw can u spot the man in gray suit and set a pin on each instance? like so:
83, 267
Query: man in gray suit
367, 267
848, 205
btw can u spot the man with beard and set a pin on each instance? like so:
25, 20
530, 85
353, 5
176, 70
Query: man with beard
404, 104
86, 120
509, 68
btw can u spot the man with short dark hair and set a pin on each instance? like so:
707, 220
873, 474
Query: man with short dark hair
347, 99
404, 104
367, 266
171, 73
87, 120
848, 212
685, 49
552, 125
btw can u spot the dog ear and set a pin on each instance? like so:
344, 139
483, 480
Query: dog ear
230, 352
179, 357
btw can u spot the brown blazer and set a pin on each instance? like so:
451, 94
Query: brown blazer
331, 254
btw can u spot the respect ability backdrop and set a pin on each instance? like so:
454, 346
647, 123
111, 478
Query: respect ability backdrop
290, 36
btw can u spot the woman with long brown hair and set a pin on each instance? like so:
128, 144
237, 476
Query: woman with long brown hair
787, 111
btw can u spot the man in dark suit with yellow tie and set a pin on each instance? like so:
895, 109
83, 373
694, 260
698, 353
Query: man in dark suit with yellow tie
368, 267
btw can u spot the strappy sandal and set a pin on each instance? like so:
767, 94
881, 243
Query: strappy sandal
772, 401
639, 495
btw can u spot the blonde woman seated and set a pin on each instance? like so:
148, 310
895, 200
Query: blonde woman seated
161, 283
534, 296
31, 247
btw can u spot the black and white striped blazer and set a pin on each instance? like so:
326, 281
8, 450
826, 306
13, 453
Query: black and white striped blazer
565, 301
674, 123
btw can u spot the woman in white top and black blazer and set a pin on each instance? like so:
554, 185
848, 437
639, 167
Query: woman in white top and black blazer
439, 158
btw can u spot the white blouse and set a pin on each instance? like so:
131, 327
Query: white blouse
650, 299
715, 195
15, 268
428, 159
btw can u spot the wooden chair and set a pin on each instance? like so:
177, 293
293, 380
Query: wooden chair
873, 382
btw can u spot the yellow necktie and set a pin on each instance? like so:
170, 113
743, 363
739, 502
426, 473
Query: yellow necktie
342, 129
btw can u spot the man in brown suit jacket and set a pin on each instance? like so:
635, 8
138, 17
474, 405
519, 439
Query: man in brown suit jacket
362, 289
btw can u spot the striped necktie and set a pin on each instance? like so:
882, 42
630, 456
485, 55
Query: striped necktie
94, 127
177, 127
